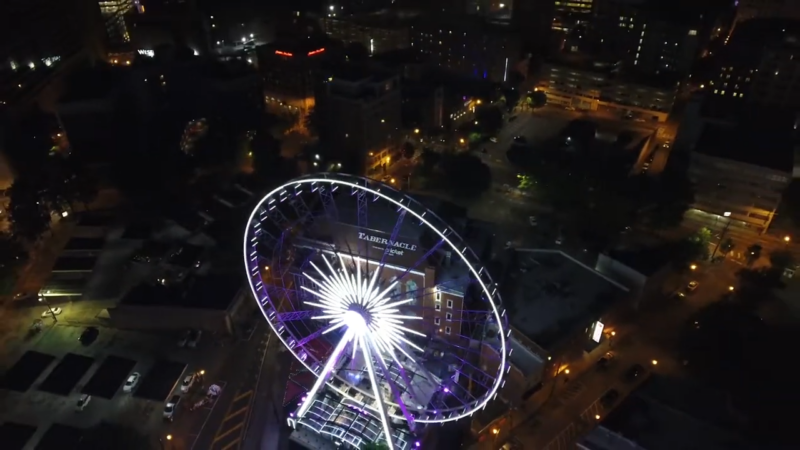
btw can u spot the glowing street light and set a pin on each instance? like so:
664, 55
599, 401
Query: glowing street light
730, 288
416, 130
655, 362
693, 267
787, 239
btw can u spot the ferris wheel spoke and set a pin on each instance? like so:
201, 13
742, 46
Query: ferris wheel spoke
327, 370
398, 397
376, 391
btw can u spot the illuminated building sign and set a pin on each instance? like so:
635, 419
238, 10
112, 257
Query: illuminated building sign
278, 52
598, 331
316, 52
397, 247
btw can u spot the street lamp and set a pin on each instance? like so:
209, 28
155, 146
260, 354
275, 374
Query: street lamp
722, 235
49, 308
787, 239
655, 362
693, 267
730, 288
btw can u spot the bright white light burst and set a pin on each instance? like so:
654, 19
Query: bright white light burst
340, 293
372, 324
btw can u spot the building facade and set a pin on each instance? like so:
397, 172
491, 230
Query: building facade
767, 9
759, 65
290, 69
469, 47
360, 113
375, 34
597, 86
115, 18
648, 40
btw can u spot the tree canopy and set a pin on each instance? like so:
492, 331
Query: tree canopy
467, 175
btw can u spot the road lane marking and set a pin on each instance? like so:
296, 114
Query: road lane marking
242, 395
223, 435
234, 414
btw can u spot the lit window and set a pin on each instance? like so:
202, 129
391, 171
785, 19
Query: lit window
692, 32
449, 303
448, 317
447, 330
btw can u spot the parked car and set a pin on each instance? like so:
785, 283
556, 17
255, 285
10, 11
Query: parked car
188, 381
559, 240
88, 336
692, 286
634, 372
609, 398
520, 139
532, 221
493, 140
184, 338
82, 402
194, 338
131, 382
605, 361
171, 406
52, 312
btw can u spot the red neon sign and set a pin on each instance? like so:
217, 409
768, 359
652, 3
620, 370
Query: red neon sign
316, 52
278, 52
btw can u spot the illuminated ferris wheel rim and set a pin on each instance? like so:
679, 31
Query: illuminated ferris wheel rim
405, 202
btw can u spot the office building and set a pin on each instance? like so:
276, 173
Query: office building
759, 64
650, 38
116, 15
467, 45
588, 84
45, 38
290, 69
360, 112
378, 33
767, 9
569, 14
739, 175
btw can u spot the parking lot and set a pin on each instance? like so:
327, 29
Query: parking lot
52, 369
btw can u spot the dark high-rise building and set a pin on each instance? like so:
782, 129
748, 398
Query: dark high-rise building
116, 19
39, 38
767, 9
759, 64
649, 37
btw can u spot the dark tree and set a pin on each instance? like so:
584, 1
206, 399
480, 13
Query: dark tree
538, 99
312, 122
753, 253
514, 79
12, 253
409, 150
512, 97
693, 248
489, 118
726, 246
266, 155
670, 197
28, 142
29, 212
430, 159
466, 174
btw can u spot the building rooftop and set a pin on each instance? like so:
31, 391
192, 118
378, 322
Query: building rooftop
665, 414
646, 261
358, 73
613, 71
558, 295
762, 143
206, 292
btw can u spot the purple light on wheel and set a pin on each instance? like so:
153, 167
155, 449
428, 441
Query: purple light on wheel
340, 299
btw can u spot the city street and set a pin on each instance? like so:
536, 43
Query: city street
557, 421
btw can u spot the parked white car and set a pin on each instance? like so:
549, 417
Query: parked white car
131, 382
171, 406
188, 381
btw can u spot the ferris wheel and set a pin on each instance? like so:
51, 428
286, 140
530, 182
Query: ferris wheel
383, 302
